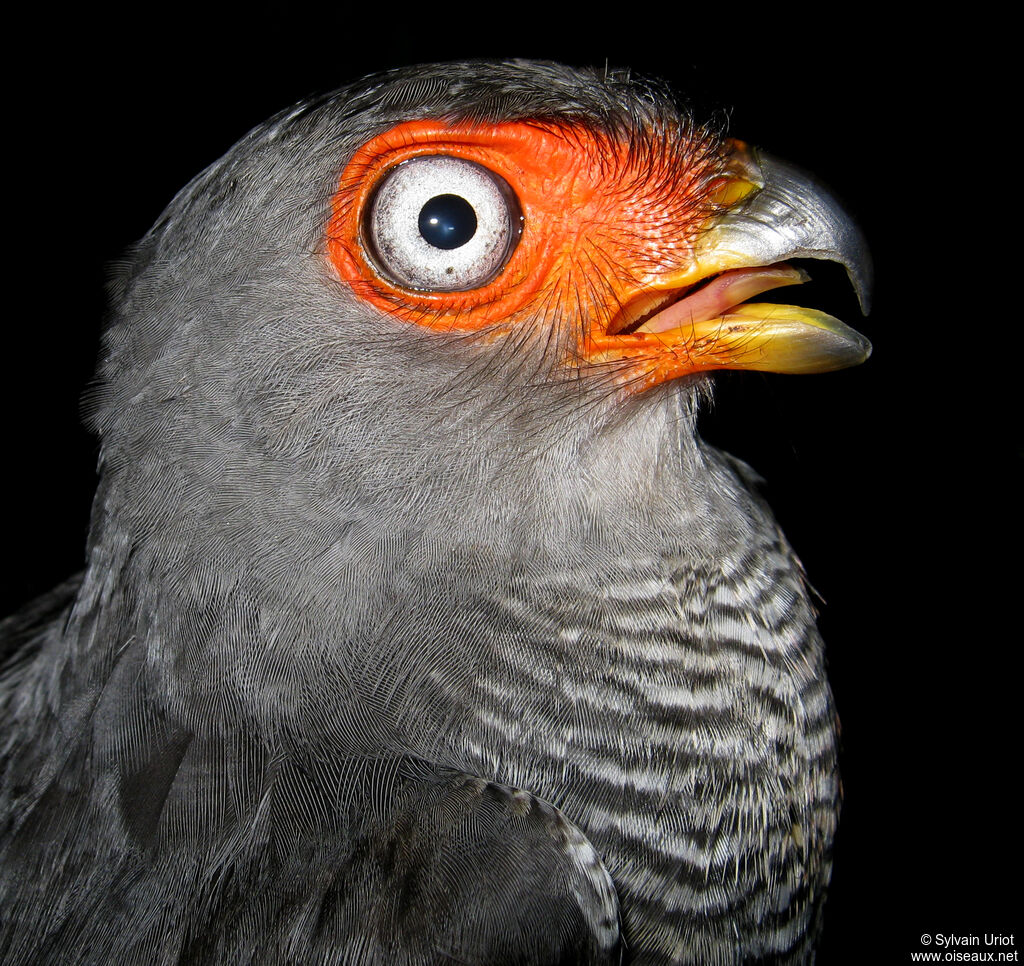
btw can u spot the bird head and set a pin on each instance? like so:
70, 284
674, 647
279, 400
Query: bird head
516, 225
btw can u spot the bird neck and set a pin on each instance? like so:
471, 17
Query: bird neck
235, 564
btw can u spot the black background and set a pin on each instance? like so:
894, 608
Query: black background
893, 480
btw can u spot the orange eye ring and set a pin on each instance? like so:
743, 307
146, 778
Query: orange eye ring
502, 152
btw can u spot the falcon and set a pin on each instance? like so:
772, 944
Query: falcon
418, 623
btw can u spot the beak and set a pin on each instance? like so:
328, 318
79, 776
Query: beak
698, 316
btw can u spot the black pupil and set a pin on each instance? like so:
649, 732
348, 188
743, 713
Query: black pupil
447, 221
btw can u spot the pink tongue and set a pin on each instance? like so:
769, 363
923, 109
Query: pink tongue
720, 295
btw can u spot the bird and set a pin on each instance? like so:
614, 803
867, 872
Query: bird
418, 623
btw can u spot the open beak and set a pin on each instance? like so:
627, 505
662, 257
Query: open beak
699, 318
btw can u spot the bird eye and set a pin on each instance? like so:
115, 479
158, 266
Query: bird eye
442, 224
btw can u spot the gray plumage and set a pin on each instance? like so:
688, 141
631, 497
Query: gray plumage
400, 646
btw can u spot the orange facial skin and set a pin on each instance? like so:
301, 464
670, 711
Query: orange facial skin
606, 224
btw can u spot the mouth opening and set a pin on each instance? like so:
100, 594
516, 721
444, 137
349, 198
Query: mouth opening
640, 310
710, 298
